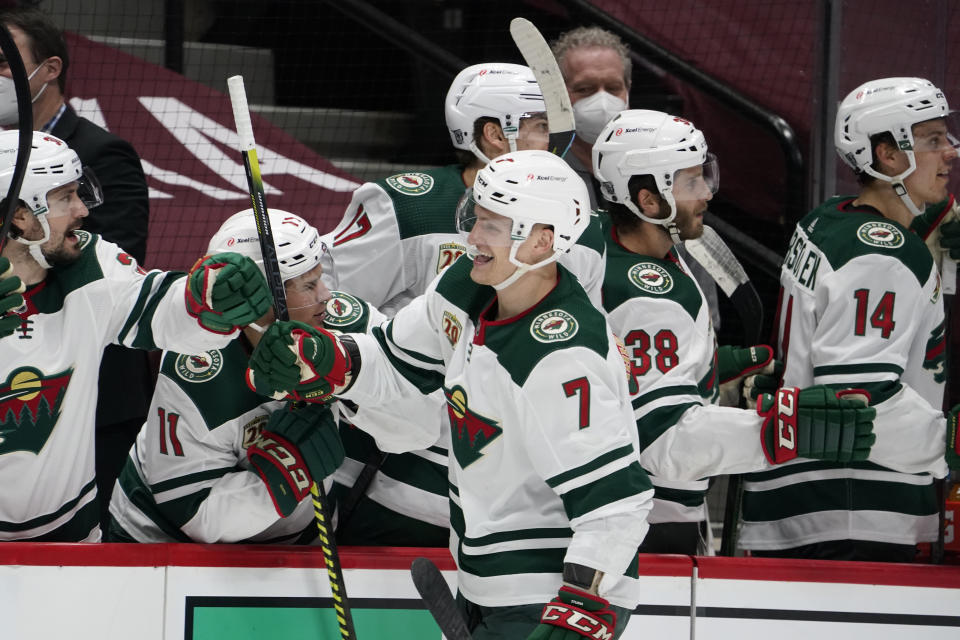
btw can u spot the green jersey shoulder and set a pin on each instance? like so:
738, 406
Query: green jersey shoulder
213, 381
425, 201
843, 232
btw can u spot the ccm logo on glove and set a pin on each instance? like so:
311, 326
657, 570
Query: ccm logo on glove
786, 419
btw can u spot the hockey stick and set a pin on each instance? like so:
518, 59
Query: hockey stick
241, 115
538, 56
436, 595
21, 85
717, 258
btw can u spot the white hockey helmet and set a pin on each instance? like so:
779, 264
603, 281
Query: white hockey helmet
299, 247
645, 142
529, 187
507, 92
891, 105
52, 164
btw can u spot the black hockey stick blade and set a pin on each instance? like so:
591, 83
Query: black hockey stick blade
436, 595
21, 84
749, 308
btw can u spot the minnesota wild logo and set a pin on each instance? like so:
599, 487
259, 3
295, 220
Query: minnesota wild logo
200, 367
554, 325
29, 408
471, 433
651, 277
880, 234
412, 184
342, 310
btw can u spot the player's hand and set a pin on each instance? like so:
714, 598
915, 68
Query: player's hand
575, 614
226, 291
953, 439
308, 363
300, 445
939, 227
817, 422
10, 289
736, 364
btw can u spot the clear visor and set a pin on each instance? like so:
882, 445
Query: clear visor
697, 183
937, 136
87, 189
478, 226
533, 131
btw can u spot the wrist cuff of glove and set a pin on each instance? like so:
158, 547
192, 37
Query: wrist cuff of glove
778, 435
280, 466
569, 612
199, 309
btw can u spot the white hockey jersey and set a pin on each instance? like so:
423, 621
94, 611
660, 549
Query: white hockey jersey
398, 233
48, 382
544, 467
860, 307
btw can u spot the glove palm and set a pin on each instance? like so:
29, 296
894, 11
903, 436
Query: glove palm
737, 365
308, 363
225, 291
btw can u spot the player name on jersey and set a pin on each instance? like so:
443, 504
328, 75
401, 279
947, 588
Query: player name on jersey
803, 260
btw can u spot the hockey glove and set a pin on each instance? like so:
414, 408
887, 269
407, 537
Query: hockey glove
939, 227
759, 383
575, 614
735, 364
818, 423
10, 289
226, 291
308, 363
953, 439
299, 445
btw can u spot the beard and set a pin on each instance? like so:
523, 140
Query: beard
63, 254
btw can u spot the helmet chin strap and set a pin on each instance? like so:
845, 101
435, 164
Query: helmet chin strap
33, 246
522, 267
896, 183
476, 151
669, 223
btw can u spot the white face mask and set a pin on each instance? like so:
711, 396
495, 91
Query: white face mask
8, 98
593, 112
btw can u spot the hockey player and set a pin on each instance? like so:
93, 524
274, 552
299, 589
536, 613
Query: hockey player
396, 235
656, 173
216, 462
82, 294
548, 500
860, 305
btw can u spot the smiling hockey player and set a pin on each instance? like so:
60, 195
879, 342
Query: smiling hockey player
83, 293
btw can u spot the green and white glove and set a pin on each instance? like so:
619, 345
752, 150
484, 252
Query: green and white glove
818, 423
575, 614
736, 364
10, 289
939, 227
226, 291
765, 382
299, 445
953, 439
304, 362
